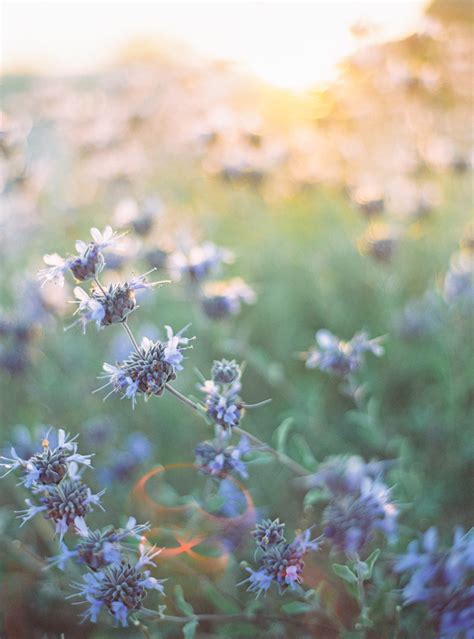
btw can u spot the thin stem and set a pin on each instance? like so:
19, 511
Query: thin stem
96, 280
182, 398
284, 459
131, 337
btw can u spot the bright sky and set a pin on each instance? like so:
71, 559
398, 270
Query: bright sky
291, 44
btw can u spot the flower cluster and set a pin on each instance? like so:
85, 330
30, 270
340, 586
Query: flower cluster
339, 357
199, 262
218, 460
111, 305
279, 561
223, 403
148, 369
359, 504
86, 265
441, 580
120, 588
224, 299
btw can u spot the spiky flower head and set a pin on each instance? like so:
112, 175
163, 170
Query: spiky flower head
225, 372
279, 562
120, 588
98, 548
218, 460
63, 503
223, 404
269, 533
343, 475
339, 357
86, 265
441, 579
112, 305
147, 370
50, 465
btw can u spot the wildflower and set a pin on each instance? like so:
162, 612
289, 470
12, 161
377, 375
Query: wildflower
147, 371
63, 503
351, 520
380, 242
111, 306
120, 588
199, 262
86, 265
50, 465
98, 548
339, 357
225, 372
440, 580
223, 299
342, 475
269, 533
223, 404
459, 280
215, 459
280, 562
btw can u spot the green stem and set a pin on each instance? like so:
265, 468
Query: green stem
131, 337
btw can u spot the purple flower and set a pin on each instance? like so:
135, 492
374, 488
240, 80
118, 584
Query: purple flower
199, 262
148, 371
63, 503
119, 588
86, 265
440, 579
223, 299
217, 460
279, 561
50, 465
98, 548
339, 357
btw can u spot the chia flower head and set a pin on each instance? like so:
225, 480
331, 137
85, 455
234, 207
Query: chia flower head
199, 262
342, 475
268, 533
339, 357
63, 503
225, 372
50, 465
379, 242
98, 548
86, 265
279, 562
120, 588
224, 299
223, 404
351, 520
218, 460
441, 580
112, 305
147, 371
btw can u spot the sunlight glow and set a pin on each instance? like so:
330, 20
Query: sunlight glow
290, 44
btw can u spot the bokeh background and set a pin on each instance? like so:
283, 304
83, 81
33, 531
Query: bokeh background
329, 146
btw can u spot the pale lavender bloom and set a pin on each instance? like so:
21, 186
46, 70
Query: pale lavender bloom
224, 299
223, 404
199, 262
218, 460
98, 548
441, 580
148, 371
119, 588
50, 465
339, 357
86, 265
63, 503
279, 562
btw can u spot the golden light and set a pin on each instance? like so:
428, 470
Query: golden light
290, 44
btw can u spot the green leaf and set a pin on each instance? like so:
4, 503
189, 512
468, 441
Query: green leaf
304, 452
344, 572
189, 629
370, 561
182, 604
281, 434
314, 496
296, 608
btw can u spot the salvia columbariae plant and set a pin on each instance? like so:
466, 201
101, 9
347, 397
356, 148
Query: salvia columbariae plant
358, 507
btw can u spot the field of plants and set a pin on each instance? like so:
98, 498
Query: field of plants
224, 243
